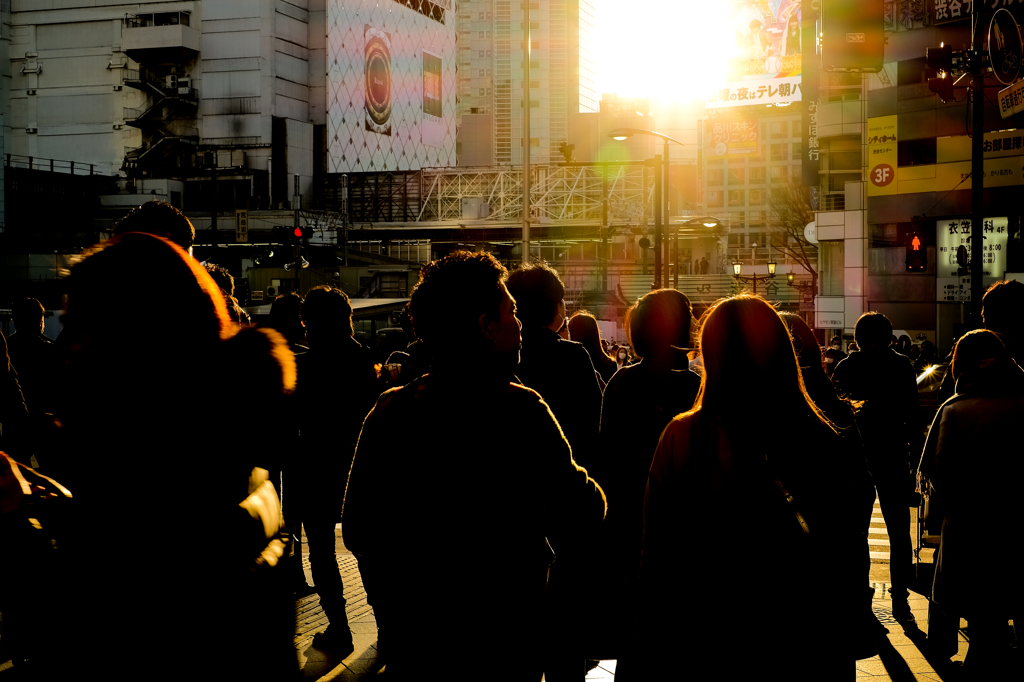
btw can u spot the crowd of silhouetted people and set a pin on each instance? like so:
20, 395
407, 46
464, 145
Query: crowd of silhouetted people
522, 497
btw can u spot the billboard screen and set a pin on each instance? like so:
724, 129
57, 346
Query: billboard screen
390, 88
764, 59
733, 138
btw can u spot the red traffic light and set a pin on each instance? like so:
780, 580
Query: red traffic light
917, 254
297, 232
943, 87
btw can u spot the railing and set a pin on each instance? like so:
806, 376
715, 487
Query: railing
157, 19
51, 165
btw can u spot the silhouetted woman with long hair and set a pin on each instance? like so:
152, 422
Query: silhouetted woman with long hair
733, 574
159, 469
583, 329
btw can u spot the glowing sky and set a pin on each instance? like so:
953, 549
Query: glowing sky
664, 49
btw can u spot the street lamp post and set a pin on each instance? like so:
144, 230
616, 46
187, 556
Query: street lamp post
752, 279
660, 192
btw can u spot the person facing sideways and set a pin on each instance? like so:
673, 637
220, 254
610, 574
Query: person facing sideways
584, 330
161, 472
639, 402
561, 371
884, 384
33, 355
464, 461
161, 219
761, 503
336, 389
286, 318
970, 466
226, 282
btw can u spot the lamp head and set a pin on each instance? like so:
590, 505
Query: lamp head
620, 134
711, 223
771, 268
736, 267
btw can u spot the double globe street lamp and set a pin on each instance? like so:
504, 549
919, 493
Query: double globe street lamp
755, 278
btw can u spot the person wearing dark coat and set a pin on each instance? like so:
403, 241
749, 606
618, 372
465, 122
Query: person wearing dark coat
561, 371
33, 356
762, 506
464, 462
13, 413
639, 402
336, 388
975, 494
884, 384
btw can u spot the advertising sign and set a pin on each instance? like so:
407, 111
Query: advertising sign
882, 157
391, 86
733, 139
950, 235
241, 226
1011, 100
765, 64
827, 320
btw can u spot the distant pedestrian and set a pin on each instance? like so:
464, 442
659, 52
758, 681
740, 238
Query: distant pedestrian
286, 318
584, 330
761, 506
704, 265
336, 388
833, 355
468, 463
884, 384
13, 413
33, 356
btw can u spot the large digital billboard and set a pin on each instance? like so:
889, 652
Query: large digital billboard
390, 86
764, 61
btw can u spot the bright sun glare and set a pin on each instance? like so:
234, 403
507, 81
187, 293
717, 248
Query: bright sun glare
664, 49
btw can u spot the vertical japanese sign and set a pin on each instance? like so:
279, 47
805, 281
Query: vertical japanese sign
766, 60
733, 138
951, 234
810, 165
882, 157
241, 226
378, 80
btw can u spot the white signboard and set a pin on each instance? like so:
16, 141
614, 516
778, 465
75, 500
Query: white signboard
953, 233
1011, 99
827, 320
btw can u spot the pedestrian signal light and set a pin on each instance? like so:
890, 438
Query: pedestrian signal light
917, 254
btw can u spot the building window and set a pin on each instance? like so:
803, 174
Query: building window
779, 174
737, 176
534, 84
481, 36
715, 176
779, 129
797, 151
482, 72
481, 53
736, 197
914, 153
488, 53
756, 175
481, 15
483, 92
778, 152
756, 197
714, 198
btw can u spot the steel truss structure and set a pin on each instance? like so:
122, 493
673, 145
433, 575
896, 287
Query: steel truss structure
558, 193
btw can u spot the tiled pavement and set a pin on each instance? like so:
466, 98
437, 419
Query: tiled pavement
901, 657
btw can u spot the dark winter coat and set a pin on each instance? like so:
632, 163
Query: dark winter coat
562, 372
456, 487
972, 459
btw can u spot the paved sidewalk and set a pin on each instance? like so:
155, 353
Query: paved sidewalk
902, 658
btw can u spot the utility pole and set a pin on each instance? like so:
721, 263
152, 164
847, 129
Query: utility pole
977, 167
658, 161
526, 133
